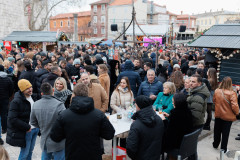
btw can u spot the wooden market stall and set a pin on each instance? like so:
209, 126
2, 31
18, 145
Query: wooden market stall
223, 42
36, 39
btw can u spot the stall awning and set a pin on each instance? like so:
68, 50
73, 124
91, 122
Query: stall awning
151, 30
32, 36
220, 36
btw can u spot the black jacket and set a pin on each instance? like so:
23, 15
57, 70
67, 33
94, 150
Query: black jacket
6, 86
73, 71
82, 125
41, 75
18, 120
50, 79
180, 123
144, 141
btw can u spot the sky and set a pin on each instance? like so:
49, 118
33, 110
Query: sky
176, 6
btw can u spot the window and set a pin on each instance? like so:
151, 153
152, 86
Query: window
95, 8
210, 22
201, 22
197, 22
68, 23
95, 31
94, 19
81, 38
206, 22
103, 7
193, 24
61, 24
102, 30
54, 24
102, 19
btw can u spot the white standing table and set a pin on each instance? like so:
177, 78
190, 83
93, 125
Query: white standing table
120, 126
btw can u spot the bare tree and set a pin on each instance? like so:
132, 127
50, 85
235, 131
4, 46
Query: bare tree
39, 11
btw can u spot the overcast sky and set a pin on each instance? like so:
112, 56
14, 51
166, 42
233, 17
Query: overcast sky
176, 6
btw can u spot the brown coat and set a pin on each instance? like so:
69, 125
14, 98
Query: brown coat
99, 96
223, 110
105, 82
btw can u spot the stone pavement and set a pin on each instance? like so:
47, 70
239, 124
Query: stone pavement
205, 149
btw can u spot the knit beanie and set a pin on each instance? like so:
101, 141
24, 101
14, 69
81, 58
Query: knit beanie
24, 84
143, 101
76, 61
11, 59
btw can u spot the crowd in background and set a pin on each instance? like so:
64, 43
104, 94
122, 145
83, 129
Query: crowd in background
174, 80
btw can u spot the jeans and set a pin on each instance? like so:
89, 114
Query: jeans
60, 155
3, 112
221, 128
26, 153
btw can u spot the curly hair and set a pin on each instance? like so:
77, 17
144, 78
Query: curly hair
177, 79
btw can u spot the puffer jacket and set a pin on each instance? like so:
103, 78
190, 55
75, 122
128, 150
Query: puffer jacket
164, 100
144, 141
18, 120
223, 109
197, 104
119, 98
134, 77
147, 88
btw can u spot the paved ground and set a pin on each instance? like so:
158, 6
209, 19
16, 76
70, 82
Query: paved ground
205, 149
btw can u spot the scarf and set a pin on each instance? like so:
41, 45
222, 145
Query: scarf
62, 95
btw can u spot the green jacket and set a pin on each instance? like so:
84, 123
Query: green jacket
197, 104
163, 100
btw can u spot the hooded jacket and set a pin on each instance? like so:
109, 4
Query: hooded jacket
6, 87
82, 126
197, 104
153, 56
144, 141
134, 77
41, 75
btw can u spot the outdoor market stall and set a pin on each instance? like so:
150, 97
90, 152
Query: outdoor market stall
36, 39
223, 41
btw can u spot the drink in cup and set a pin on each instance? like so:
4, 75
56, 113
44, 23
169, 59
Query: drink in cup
160, 110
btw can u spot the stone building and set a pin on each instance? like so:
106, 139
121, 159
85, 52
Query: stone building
12, 17
16, 15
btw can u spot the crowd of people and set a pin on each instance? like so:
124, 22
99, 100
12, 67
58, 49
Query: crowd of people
62, 96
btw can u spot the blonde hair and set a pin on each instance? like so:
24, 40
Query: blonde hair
6, 64
3, 154
63, 82
171, 86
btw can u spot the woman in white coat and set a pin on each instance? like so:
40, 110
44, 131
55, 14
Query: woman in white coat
121, 96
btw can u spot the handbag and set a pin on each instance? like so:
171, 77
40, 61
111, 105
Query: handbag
225, 98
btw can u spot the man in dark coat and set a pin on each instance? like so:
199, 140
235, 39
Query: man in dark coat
82, 126
42, 73
19, 132
55, 73
145, 136
6, 91
30, 75
134, 77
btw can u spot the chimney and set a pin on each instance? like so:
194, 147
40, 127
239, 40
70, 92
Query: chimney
181, 12
75, 34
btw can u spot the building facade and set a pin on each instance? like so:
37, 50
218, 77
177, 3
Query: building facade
187, 20
208, 19
99, 19
65, 23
